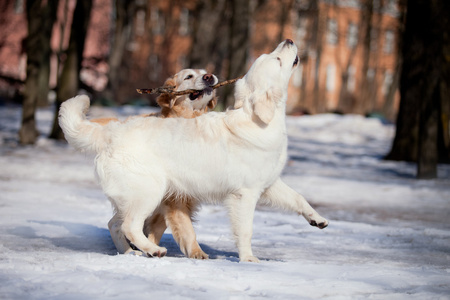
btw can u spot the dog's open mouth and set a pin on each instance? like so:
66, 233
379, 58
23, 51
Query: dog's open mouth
193, 96
295, 61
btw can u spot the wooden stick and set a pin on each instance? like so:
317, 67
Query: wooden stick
169, 89
160, 90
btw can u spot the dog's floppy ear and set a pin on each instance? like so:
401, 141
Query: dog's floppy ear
212, 103
265, 104
165, 100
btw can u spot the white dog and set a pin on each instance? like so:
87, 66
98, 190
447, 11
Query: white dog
177, 215
234, 157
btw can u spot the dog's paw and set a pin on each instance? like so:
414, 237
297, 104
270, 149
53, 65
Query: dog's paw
198, 254
320, 223
249, 259
157, 252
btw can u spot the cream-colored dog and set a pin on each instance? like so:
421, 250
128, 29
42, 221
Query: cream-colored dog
177, 215
234, 157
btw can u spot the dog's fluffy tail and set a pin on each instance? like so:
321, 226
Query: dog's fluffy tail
79, 132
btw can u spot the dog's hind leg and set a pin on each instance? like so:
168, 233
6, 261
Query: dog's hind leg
241, 208
119, 239
140, 207
281, 195
132, 228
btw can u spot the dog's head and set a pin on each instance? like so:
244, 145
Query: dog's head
196, 79
265, 84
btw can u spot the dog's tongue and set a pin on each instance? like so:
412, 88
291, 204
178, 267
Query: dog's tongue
194, 95
208, 90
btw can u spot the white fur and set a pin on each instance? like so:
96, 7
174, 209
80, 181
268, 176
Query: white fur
233, 157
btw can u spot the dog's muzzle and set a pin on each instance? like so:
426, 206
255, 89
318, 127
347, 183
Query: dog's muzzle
193, 96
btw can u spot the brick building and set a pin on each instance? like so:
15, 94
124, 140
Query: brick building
342, 69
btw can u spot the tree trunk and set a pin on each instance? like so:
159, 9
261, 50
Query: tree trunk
69, 80
205, 35
285, 10
422, 123
428, 136
316, 42
47, 28
122, 30
239, 44
388, 108
366, 105
40, 19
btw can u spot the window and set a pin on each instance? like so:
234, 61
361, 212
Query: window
182, 61
387, 82
157, 20
351, 80
388, 42
140, 22
184, 22
373, 39
154, 67
331, 78
376, 5
352, 35
390, 7
370, 75
332, 32
18, 6
391, 4
300, 32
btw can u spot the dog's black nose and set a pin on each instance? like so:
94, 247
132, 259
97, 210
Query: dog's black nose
289, 41
209, 78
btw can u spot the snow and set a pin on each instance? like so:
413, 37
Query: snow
388, 236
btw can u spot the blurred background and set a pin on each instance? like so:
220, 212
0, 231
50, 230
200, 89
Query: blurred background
348, 49
352, 53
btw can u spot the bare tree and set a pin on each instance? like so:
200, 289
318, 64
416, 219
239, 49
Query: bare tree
422, 125
239, 44
388, 108
366, 103
349, 100
70, 77
308, 17
209, 35
316, 40
122, 27
283, 19
40, 16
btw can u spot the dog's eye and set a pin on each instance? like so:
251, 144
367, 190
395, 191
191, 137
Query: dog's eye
188, 77
295, 61
279, 59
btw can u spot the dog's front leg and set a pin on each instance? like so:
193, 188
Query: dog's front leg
119, 239
241, 208
134, 218
281, 195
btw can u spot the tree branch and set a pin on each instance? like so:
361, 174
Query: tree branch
169, 89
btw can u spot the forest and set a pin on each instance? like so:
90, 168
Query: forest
140, 43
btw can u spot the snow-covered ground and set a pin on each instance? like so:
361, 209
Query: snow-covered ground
388, 238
